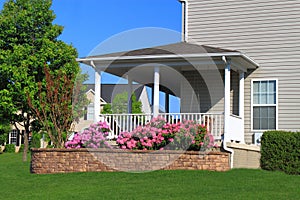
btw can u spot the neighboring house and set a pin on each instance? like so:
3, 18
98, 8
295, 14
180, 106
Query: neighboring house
108, 93
16, 135
236, 70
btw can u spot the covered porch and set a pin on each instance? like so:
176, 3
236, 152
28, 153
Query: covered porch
209, 82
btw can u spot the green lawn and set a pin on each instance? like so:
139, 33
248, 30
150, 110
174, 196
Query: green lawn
17, 183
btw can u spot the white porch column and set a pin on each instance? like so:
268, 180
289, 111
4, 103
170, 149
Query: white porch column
227, 102
129, 91
97, 97
242, 103
156, 92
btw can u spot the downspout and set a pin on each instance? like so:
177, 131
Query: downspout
231, 151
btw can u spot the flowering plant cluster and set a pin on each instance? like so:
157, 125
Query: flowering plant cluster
149, 137
93, 137
160, 135
75, 143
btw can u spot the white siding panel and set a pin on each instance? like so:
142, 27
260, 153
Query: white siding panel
266, 30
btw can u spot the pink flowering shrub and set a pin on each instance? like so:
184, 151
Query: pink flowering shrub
202, 140
149, 137
93, 137
185, 136
75, 143
159, 135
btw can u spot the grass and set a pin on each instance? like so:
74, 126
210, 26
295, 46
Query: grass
17, 183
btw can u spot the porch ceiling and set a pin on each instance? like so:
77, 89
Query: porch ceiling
173, 59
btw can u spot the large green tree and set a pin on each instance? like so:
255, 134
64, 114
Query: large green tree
29, 44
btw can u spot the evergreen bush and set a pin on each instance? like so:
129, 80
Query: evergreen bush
280, 151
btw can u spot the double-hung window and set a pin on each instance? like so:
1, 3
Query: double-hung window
89, 115
264, 104
13, 135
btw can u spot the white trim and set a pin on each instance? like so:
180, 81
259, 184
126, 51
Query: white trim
252, 104
97, 97
227, 101
186, 21
194, 55
242, 95
242, 104
165, 56
247, 58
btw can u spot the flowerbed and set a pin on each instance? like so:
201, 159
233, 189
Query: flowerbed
158, 134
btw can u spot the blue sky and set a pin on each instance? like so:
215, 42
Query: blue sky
88, 23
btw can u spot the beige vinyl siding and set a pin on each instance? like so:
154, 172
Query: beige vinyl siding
268, 31
197, 97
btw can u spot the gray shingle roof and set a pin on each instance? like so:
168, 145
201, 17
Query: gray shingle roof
176, 48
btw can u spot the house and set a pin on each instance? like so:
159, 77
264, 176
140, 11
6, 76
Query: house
236, 69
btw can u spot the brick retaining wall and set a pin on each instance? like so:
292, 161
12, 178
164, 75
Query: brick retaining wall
48, 161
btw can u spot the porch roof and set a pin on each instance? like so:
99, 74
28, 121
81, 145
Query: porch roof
181, 51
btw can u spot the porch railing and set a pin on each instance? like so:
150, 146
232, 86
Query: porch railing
213, 121
124, 122
128, 122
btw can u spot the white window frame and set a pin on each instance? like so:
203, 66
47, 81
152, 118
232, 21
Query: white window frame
252, 104
90, 112
13, 135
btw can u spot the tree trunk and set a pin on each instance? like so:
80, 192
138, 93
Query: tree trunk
25, 145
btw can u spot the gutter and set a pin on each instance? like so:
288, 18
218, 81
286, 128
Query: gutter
202, 55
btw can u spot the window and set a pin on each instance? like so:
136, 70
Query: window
264, 104
89, 115
13, 137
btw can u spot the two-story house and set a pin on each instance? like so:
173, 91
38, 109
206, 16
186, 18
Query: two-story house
236, 69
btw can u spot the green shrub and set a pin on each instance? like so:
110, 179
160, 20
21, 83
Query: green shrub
3, 138
10, 148
35, 140
50, 146
21, 148
280, 151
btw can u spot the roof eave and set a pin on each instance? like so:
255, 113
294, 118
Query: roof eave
90, 60
165, 56
250, 60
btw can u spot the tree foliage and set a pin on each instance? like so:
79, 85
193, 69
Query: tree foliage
120, 104
53, 105
4, 130
28, 44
